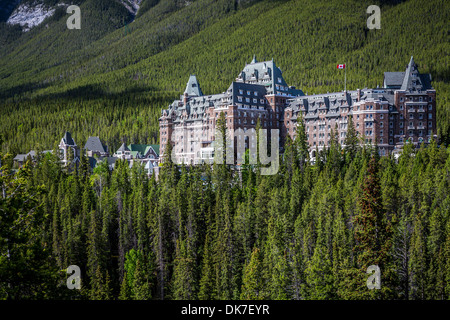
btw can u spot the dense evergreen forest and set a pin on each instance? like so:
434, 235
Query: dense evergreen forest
105, 81
202, 232
208, 232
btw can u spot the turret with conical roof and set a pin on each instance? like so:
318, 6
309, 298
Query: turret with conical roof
193, 87
413, 80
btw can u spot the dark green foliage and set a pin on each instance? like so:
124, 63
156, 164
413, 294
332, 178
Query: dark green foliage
253, 286
307, 232
197, 234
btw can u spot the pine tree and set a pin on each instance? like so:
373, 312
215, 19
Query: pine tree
290, 159
276, 265
319, 275
253, 286
372, 230
207, 280
26, 270
418, 261
125, 290
223, 248
184, 283
141, 286
351, 140
446, 265
301, 142
333, 163
95, 257
401, 256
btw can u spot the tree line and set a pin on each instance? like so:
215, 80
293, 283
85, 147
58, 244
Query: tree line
209, 232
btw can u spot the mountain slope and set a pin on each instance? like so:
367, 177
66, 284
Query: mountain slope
147, 63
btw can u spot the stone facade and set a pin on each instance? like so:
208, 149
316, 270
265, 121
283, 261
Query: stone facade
404, 109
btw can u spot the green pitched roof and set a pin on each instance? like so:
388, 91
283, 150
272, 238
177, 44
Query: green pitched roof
138, 147
143, 148
135, 154
156, 148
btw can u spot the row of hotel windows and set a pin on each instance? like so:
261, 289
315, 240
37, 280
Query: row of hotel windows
391, 124
370, 107
411, 116
322, 143
370, 132
343, 134
255, 93
420, 99
369, 140
261, 101
244, 114
282, 88
411, 108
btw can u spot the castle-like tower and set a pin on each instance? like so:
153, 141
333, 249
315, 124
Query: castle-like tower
259, 92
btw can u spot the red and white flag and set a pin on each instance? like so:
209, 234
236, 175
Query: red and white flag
341, 66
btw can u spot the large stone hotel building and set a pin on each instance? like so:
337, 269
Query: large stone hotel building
404, 109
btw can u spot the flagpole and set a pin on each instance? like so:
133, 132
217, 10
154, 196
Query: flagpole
345, 77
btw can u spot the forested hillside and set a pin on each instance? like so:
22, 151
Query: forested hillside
112, 77
308, 232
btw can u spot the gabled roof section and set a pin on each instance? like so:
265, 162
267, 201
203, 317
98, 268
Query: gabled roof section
410, 80
193, 87
94, 144
136, 154
20, 157
143, 149
268, 74
413, 80
137, 147
68, 139
123, 148
411, 71
393, 80
156, 148
257, 72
